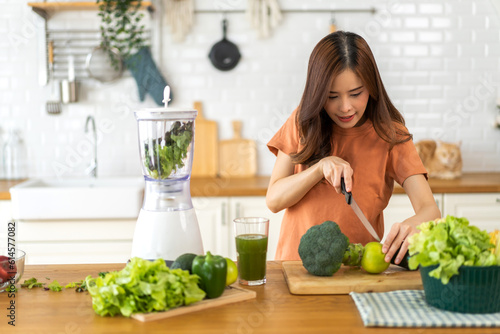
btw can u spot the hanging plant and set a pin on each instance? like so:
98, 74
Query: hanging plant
121, 27
123, 31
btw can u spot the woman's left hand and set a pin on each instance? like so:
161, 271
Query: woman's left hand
425, 207
398, 237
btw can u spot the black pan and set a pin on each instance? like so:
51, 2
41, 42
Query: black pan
224, 55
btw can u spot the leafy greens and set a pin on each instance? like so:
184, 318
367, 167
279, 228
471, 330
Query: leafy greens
143, 286
450, 243
166, 155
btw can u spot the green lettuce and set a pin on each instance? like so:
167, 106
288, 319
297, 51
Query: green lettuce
166, 155
143, 286
450, 243
55, 286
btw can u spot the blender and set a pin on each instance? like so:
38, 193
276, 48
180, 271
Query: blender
167, 226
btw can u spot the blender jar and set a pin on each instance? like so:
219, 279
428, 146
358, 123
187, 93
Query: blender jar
167, 225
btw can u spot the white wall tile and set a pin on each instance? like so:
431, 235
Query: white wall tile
417, 22
443, 22
403, 36
429, 36
403, 8
416, 50
431, 8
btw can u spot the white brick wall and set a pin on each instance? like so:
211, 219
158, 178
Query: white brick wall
439, 61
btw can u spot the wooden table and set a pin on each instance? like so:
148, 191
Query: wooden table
274, 311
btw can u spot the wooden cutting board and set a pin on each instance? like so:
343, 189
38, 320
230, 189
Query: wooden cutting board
238, 156
206, 148
232, 294
348, 279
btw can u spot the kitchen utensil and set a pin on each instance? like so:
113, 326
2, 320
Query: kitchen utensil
357, 210
238, 156
69, 87
167, 225
206, 148
224, 55
333, 25
348, 279
100, 66
350, 201
232, 294
53, 105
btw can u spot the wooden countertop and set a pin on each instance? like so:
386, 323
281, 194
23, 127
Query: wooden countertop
257, 186
274, 311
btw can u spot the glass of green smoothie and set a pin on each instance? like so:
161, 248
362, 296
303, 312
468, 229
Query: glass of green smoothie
251, 245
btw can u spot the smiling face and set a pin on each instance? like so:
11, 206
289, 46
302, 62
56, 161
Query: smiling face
347, 100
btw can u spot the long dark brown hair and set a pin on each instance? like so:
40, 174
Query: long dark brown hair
334, 54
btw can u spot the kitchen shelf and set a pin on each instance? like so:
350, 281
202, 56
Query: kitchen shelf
46, 9
74, 44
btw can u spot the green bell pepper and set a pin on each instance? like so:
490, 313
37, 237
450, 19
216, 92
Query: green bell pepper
212, 270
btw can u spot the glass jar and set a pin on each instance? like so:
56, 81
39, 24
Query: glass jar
14, 157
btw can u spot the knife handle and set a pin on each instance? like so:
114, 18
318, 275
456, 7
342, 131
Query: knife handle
404, 261
348, 195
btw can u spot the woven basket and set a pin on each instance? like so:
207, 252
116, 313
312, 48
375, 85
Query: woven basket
473, 290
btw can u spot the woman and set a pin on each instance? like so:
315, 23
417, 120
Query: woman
345, 126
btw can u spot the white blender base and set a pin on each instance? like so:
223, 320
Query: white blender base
166, 235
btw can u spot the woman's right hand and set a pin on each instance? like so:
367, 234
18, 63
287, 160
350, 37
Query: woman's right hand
334, 168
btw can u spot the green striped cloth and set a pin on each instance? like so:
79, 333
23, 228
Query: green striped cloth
408, 308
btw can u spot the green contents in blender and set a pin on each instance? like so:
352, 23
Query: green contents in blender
166, 154
252, 250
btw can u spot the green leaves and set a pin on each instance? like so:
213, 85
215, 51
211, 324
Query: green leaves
143, 286
162, 157
32, 283
55, 286
450, 243
121, 28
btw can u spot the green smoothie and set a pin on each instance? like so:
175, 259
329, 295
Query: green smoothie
252, 250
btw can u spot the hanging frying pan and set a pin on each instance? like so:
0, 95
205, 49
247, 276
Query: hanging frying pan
224, 55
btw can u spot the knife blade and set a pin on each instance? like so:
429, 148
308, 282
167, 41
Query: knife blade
357, 210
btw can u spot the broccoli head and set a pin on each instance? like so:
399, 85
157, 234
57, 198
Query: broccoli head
323, 249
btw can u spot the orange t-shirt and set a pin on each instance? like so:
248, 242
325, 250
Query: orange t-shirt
375, 170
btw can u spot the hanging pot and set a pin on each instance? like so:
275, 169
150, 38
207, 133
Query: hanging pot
224, 55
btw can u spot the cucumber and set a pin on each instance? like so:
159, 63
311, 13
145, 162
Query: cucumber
184, 262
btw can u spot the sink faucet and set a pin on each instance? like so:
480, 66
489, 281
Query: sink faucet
92, 168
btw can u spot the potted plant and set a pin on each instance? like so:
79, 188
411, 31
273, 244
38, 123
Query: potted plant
122, 29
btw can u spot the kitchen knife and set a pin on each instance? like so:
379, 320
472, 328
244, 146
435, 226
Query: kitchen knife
350, 201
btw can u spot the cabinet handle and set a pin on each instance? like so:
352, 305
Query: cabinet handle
223, 214
498, 200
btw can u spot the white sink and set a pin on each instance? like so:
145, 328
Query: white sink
86, 198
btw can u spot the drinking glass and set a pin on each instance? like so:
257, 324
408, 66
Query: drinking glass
251, 245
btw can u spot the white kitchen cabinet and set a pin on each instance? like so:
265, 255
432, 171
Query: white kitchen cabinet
400, 208
215, 218
482, 210
76, 241
212, 214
